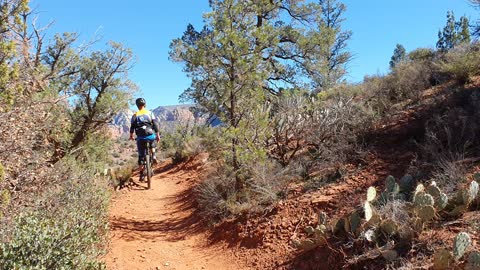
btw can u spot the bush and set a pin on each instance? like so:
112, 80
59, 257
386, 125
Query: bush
462, 62
217, 196
64, 230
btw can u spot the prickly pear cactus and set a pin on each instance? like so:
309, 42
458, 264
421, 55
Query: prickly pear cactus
339, 226
473, 262
407, 184
434, 191
354, 222
425, 213
391, 185
420, 188
466, 196
441, 202
461, 243
423, 199
473, 190
371, 194
368, 209
442, 259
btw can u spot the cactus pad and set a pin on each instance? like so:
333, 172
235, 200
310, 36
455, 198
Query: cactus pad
406, 183
425, 213
441, 202
442, 259
367, 208
418, 189
339, 226
473, 190
434, 191
355, 220
465, 196
423, 199
391, 185
461, 244
371, 194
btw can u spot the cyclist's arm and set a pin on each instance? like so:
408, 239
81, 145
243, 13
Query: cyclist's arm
132, 128
156, 126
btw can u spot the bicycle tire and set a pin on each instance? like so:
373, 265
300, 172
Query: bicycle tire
148, 166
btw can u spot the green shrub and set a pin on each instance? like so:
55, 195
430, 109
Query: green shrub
218, 197
421, 54
462, 63
63, 230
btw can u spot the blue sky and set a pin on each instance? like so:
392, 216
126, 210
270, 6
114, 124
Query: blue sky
147, 27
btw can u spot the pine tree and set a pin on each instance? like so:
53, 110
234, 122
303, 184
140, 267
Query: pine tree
399, 55
248, 52
454, 33
328, 67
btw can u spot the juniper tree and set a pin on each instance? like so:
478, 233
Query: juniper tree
399, 55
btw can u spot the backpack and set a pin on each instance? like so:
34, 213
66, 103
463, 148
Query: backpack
144, 125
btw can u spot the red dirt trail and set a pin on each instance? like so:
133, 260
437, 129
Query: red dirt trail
158, 229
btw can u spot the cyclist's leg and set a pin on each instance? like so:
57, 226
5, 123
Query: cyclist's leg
153, 145
141, 146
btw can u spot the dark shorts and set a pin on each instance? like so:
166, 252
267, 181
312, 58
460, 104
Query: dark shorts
142, 148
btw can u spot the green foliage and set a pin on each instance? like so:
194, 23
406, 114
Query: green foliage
462, 63
454, 33
249, 50
421, 54
65, 230
102, 90
10, 21
399, 55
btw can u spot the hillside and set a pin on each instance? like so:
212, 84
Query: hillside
264, 240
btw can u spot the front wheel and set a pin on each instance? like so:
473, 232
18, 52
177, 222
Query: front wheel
149, 171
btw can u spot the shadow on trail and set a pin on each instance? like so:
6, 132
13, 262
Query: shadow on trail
178, 222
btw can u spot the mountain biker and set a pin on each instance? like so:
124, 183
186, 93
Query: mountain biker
146, 127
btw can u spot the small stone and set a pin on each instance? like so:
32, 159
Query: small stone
167, 264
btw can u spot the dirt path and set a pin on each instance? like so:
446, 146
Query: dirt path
156, 228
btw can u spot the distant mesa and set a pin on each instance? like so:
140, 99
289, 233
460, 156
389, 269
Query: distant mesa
168, 116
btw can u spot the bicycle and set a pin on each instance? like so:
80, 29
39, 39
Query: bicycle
147, 161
